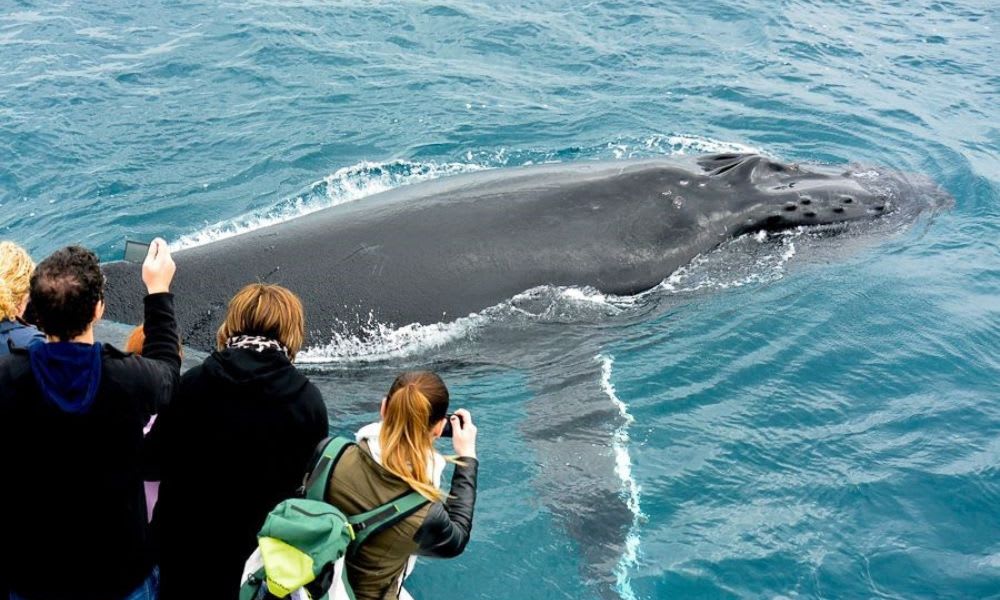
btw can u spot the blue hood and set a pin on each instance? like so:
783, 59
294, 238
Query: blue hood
67, 373
18, 333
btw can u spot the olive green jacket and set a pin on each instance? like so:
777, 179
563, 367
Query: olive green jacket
438, 529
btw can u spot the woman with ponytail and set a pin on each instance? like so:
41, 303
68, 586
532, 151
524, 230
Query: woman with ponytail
393, 457
16, 268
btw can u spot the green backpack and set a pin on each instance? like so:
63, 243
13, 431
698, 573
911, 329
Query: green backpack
303, 543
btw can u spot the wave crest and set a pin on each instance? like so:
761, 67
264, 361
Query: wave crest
344, 185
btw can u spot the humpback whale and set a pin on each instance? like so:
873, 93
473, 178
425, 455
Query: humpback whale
440, 250
446, 248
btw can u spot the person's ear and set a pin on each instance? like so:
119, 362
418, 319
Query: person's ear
438, 428
98, 311
381, 410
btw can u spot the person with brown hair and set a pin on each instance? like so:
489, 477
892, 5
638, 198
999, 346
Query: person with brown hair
71, 412
16, 268
396, 456
235, 442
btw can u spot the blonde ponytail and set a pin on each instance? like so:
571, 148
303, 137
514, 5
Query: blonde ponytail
406, 440
16, 268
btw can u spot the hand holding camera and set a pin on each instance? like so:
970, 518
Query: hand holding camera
463, 432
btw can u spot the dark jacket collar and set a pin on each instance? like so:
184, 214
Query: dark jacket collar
268, 374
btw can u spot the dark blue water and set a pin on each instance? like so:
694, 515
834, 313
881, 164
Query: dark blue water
802, 417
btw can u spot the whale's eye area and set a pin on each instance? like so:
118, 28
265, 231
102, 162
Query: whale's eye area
790, 207
838, 209
809, 214
807, 201
846, 199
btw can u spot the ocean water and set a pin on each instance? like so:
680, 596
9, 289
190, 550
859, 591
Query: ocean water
802, 417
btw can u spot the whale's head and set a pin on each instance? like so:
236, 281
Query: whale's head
778, 196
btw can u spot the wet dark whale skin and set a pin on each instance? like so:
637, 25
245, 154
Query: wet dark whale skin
446, 248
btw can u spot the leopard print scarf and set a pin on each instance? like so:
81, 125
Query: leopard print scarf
257, 343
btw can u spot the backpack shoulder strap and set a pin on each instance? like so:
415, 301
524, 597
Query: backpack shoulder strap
319, 477
369, 523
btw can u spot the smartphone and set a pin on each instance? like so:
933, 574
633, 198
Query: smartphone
136, 251
448, 431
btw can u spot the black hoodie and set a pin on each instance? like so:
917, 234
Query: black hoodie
234, 443
71, 497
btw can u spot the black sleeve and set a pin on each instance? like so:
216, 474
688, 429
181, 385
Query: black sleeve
157, 446
154, 451
152, 447
319, 427
4, 449
448, 526
154, 376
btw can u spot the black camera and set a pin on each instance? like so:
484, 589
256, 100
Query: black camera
448, 431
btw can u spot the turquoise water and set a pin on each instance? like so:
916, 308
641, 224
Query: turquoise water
801, 417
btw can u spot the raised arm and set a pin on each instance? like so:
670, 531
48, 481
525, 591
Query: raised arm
155, 375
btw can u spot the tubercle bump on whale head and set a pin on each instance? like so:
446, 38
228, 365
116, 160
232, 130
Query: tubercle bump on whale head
796, 197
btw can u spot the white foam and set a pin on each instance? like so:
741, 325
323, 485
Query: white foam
379, 342
344, 185
630, 488
716, 270
670, 144
686, 144
553, 300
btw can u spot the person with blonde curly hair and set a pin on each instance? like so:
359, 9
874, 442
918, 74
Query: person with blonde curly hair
16, 268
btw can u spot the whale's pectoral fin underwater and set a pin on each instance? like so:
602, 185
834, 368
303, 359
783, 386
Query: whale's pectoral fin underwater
570, 425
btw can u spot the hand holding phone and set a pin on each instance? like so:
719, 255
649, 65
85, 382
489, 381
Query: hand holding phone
135, 252
158, 268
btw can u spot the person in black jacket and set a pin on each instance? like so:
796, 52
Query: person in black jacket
71, 417
394, 457
234, 443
